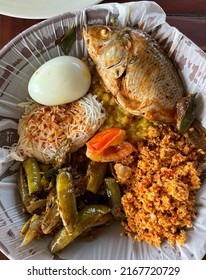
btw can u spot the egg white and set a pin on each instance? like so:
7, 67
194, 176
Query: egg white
59, 81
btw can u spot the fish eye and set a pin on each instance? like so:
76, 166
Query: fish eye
104, 33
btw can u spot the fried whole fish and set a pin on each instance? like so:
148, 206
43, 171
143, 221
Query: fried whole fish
136, 71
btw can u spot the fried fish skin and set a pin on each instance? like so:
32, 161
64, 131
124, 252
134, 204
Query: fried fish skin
136, 70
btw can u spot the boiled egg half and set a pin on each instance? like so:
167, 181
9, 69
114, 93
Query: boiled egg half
59, 81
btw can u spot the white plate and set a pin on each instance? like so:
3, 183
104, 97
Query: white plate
18, 61
41, 9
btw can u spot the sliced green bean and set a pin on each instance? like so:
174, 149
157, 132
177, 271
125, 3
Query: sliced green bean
51, 198
95, 172
63, 154
66, 200
114, 197
33, 230
87, 218
97, 227
25, 227
23, 188
32, 170
36, 205
107, 218
31, 203
51, 219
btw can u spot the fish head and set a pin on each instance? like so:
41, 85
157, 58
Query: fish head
107, 46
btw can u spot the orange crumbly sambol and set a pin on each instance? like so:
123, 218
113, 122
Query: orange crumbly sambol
159, 193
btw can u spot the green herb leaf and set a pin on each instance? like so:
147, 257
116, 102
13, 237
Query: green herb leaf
50, 175
186, 112
66, 41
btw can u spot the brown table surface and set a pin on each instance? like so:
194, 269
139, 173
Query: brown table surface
189, 16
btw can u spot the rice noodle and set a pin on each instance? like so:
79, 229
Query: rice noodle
44, 129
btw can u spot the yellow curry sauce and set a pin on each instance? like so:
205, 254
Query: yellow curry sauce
136, 127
